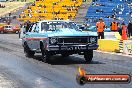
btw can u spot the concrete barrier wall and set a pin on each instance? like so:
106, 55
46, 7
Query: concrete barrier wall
110, 45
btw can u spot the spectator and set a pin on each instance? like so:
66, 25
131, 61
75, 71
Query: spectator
114, 25
100, 28
44, 6
124, 31
129, 29
45, 10
40, 6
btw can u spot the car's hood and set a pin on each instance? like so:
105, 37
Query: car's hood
69, 32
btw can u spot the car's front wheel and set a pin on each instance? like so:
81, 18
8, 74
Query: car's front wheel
45, 57
45, 54
88, 55
28, 53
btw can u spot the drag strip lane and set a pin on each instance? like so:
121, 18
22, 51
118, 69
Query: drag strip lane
33, 75
61, 72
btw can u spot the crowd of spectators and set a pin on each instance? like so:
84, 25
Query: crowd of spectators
43, 9
120, 11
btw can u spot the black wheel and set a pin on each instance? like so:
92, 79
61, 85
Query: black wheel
45, 57
45, 54
2, 32
28, 52
88, 56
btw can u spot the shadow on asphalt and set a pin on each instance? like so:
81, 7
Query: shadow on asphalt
59, 60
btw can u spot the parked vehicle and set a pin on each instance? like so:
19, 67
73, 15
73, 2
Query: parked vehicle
9, 29
63, 37
1, 29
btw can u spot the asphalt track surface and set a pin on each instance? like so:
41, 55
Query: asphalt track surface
18, 71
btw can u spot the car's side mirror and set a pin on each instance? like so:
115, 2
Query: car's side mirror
26, 33
80, 29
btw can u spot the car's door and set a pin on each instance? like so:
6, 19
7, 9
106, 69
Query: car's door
33, 37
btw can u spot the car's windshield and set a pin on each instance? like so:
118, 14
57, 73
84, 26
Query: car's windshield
52, 26
7, 26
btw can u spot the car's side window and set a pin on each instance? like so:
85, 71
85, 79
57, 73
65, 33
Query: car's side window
30, 28
44, 26
35, 28
51, 27
64, 25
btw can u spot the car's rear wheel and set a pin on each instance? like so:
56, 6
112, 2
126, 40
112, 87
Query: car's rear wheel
2, 32
88, 55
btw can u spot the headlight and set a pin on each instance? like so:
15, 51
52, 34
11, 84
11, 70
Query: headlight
53, 40
92, 39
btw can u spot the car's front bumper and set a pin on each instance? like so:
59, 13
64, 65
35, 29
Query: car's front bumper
72, 47
8, 30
